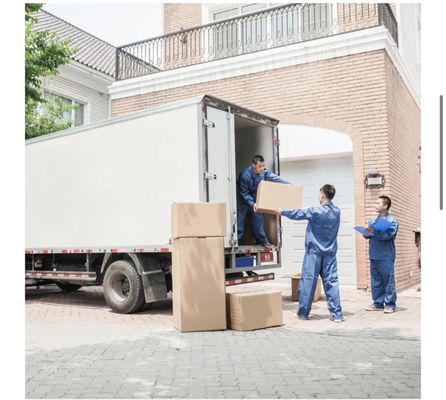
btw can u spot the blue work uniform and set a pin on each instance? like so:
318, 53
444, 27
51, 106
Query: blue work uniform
247, 184
382, 263
320, 257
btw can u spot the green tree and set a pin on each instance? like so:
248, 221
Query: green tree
44, 53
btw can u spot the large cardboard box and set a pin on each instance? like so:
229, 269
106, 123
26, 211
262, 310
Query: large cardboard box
198, 220
295, 285
254, 310
271, 196
198, 280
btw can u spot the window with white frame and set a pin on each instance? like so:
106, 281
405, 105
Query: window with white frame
76, 114
233, 37
266, 30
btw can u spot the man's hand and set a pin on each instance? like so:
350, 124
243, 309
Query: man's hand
370, 230
254, 207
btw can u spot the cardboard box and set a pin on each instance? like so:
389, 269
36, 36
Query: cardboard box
198, 280
295, 284
198, 220
271, 196
247, 311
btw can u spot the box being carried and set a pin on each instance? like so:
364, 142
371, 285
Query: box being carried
295, 285
254, 310
271, 196
198, 220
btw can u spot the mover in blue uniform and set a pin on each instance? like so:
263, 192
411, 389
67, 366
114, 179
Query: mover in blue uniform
382, 258
320, 253
247, 184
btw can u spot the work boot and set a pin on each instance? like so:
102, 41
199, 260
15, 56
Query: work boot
373, 307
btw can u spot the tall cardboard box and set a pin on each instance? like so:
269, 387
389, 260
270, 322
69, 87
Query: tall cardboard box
254, 310
271, 195
198, 280
295, 285
198, 220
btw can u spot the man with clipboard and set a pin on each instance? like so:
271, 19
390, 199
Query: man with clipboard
381, 232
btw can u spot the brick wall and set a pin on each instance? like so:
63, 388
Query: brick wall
404, 127
181, 15
360, 95
352, 16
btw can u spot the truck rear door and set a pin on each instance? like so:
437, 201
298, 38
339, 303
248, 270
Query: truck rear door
220, 159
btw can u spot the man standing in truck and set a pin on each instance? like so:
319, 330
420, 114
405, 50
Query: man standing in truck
247, 184
320, 253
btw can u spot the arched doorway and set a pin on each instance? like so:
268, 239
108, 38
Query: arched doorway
311, 157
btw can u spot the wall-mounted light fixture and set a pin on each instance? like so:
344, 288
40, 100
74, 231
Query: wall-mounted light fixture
374, 180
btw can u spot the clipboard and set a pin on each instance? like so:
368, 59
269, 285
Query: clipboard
362, 231
381, 225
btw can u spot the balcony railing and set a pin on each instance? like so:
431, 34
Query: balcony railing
275, 27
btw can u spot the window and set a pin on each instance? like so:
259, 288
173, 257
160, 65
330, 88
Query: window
229, 36
257, 32
226, 14
76, 115
253, 7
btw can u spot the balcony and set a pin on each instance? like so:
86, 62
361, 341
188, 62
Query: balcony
274, 27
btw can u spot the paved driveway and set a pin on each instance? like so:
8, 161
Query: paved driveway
77, 348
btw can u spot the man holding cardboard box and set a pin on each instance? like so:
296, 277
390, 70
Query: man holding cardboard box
247, 184
320, 253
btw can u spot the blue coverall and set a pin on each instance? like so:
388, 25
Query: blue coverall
247, 184
320, 257
382, 259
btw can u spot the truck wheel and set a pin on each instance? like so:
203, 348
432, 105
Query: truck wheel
123, 290
68, 287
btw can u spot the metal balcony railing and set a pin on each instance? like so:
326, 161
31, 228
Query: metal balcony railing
274, 27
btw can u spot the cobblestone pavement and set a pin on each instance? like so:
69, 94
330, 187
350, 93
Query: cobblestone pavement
77, 348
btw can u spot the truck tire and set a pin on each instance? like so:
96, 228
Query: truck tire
68, 287
123, 289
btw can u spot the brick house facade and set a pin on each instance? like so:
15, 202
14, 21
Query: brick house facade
363, 95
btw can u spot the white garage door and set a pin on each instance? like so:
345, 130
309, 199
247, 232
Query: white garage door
312, 175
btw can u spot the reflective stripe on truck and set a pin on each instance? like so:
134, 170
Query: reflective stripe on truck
256, 278
66, 276
150, 249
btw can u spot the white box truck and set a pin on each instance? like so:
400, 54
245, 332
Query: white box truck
98, 197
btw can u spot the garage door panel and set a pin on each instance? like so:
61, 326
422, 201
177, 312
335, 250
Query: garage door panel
312, 174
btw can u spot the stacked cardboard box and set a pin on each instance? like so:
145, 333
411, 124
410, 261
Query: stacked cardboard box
254, 310
198, 270
295, 285
271, 196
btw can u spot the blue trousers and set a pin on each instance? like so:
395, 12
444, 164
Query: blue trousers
256, 220
325, 266
382, 274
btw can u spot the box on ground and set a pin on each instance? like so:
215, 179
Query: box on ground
247, 311
295, 285
271, 195
198, 220
198, 280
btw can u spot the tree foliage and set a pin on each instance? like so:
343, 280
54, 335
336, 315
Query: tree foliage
44, 53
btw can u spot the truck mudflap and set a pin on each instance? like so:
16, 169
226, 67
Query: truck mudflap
248, 279
154, 283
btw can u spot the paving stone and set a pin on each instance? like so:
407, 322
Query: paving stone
89, 352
